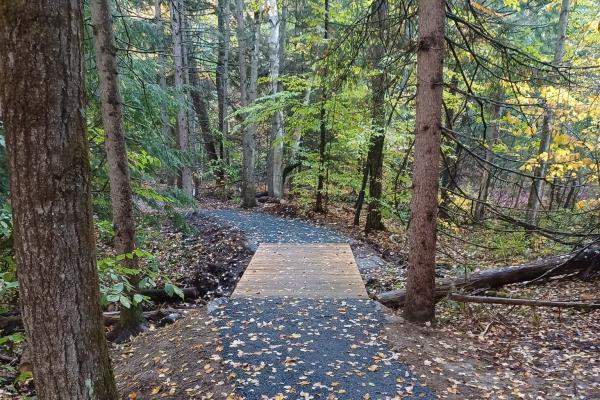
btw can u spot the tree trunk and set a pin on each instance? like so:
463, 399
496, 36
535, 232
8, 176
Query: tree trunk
379, 86
275, 183
222, 73
420, 284
491, 137
183, 133
495, 278
116, 151
537, 187
319, 201
247, 94
570, 194
48, 160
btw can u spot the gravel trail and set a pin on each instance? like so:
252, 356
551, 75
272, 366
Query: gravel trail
281, 348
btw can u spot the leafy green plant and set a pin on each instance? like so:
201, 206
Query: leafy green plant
116, 277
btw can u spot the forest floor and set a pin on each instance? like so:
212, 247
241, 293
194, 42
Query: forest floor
473, 351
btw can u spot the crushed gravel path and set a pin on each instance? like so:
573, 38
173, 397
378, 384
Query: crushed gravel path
282, 348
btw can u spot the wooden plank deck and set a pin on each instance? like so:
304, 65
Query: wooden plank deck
302, 271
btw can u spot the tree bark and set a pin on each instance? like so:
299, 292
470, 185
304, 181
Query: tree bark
320, 196
275, 183
420, 284
48, 160
565, 264
247, 95
222, 72
183, 133
379, 87
536, 193
570, 194
116, 150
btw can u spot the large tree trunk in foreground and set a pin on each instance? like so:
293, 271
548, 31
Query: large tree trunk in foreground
116, 151
495, 278
420, 283
536, 193
183, 131
275, 184
378, 86
48, 160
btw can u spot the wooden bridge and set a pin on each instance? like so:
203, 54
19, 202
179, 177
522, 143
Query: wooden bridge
302, 271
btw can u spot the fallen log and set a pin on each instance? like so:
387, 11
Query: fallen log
522, 302
565, 264
160, 296
11, 323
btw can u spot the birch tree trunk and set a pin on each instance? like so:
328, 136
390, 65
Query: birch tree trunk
275, 184
183, 134
536, 194
116, 151
379, 85
420, 283
48, 160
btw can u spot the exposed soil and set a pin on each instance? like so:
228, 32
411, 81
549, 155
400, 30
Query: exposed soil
212, 256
